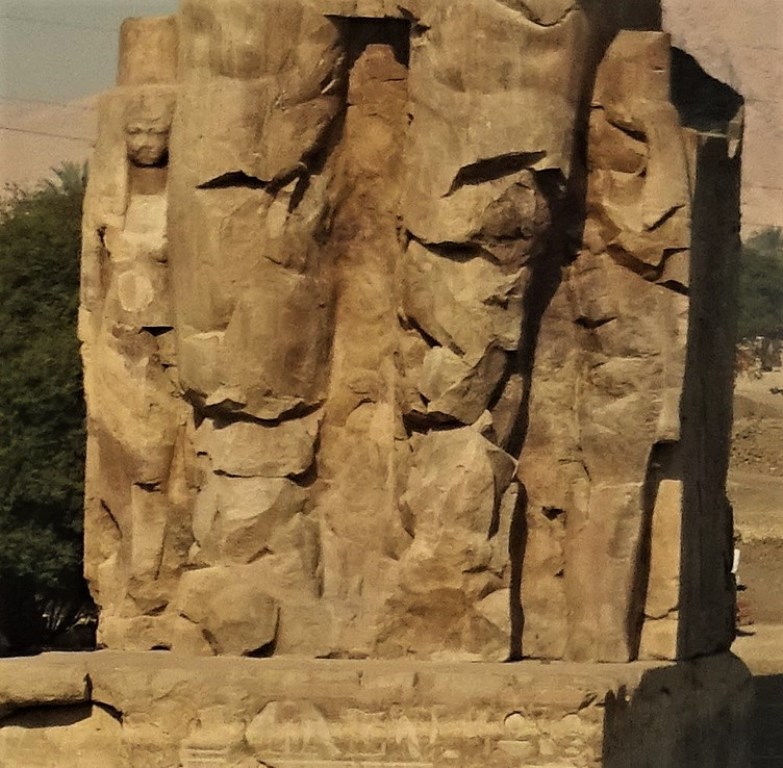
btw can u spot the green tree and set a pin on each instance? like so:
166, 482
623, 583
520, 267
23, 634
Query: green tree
761, 286
41, 408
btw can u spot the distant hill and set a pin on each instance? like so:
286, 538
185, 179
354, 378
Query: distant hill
36, 136
741, 44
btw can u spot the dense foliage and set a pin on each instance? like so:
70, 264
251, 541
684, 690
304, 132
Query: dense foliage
41, 407
761, 286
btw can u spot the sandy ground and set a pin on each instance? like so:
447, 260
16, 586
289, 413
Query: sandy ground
756, 472
756, 493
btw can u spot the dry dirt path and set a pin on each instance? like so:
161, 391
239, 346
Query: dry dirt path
756, 493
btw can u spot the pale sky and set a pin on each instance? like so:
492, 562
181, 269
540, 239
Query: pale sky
60, 50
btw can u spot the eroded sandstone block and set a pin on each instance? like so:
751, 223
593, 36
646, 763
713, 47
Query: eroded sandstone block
137, 530
390, 349
609, 455
169, 710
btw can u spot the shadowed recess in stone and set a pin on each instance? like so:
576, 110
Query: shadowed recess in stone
493, 168
703, 102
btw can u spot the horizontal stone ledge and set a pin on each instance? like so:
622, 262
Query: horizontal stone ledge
53, 679
61, 676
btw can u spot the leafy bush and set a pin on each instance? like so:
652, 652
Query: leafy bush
761, 286
41, 407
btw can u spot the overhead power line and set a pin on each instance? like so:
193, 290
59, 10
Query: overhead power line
46, 133
67, 104
53, 23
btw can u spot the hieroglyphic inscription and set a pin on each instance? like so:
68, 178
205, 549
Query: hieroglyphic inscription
288, 734
205, 757
298, 735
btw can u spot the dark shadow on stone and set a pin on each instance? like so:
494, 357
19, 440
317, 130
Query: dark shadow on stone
493, 168
359, 32
766, 733
610, 16
703, 102
48, 716
707, 590
517, 543
643, 15
545, 278
684, 715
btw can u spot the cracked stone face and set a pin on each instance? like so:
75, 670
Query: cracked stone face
389, 337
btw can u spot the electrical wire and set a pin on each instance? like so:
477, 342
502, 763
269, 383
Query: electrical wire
45, 133
52, 23
69, 105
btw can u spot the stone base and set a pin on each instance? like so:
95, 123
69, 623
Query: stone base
159, 710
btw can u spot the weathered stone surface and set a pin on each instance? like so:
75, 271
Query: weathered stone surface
148, 51
458, 523
339, 276
66, 682
460, 163
137, 533
240, 519
606, 445
161, 710
465, 304
234, 614
148, 116
456, 390
659, 634
248, 449
253, 304
84, 735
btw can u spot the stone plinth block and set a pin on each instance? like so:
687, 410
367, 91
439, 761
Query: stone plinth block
163, 710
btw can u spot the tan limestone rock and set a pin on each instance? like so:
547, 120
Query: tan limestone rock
136, 489
148, 51
609, 387
64, 684
455, 390
248, 449
663, 590
238, 519
451, 141
456, 487
243, 82
216, 599
463, 304
84, 735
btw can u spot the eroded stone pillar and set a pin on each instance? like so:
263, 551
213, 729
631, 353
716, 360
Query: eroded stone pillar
137, 503
610, 462
358, 261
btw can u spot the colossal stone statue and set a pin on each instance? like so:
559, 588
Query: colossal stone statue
407, 331
407, 336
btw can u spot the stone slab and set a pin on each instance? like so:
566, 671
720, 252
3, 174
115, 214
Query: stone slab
158, 710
